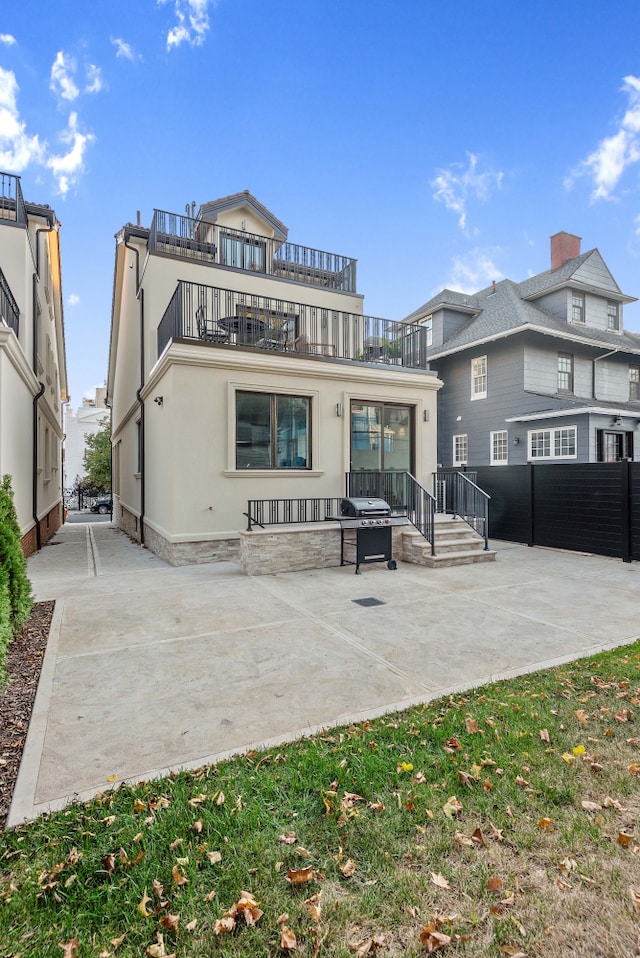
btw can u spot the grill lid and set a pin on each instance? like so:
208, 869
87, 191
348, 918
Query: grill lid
356, 507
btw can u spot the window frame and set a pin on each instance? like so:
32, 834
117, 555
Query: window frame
634, 393
613, 318
479, 378
428, 325
569, 373
274, 398
460, 440
578, 307
554, 441
495, 445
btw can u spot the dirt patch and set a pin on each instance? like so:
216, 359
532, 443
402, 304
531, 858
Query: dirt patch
24, 664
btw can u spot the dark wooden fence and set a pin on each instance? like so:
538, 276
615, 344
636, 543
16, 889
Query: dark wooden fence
584, 507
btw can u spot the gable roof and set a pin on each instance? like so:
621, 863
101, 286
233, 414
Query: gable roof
210, 210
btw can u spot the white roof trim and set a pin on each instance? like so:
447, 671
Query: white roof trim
579, 411
622, 348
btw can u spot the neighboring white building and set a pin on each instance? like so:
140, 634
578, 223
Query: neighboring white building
85, 421
33, 378
242, 367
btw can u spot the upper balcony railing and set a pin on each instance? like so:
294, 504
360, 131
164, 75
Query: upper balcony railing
231, 318
11, 201
9, 312
219, 245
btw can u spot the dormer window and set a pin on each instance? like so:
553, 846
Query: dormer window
577, 307
242, 252
613, 315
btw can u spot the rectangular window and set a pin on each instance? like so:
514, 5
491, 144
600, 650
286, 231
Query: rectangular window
565, 372
428, 325
558, 443
613, 315
479, 378
577, 308
460, 446
499, 447
613, 446
242, 252
272, 431
634, 383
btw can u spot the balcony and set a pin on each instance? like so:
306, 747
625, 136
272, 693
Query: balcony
9, 312
229, 319
12, 206
215, 245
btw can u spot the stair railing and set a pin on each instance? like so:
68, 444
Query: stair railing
471, 503
403, 492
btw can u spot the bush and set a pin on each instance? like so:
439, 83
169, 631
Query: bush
16, 600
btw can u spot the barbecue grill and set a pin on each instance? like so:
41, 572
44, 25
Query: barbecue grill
369, 524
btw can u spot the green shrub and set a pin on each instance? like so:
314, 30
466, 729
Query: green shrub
16, 600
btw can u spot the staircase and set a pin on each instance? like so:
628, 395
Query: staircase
456, 543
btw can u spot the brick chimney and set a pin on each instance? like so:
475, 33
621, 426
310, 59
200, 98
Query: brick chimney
564, 246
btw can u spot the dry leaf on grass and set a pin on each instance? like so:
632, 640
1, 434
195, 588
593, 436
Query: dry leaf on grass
298, 876
453, 806
348, 868
69, 947
289, 838
439, 880
432, 939
288, 940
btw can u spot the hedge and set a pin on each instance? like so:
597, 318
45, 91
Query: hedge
16, 600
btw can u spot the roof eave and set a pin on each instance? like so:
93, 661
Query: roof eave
530, 327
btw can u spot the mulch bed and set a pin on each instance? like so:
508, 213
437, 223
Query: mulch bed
24, 663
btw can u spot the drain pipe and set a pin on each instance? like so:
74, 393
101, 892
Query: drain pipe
34, 474
611, 352
140, 296
40, 393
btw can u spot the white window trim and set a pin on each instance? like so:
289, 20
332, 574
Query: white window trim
552, 433
493, 461
454, 459
479, 395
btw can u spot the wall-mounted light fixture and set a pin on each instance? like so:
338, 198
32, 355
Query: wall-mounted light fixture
516, 440
617, 421
159, 400
338, 409
425, 415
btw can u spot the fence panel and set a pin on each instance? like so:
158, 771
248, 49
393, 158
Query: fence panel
510, 506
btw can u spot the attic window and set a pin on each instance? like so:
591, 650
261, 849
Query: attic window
613, 315
577, 308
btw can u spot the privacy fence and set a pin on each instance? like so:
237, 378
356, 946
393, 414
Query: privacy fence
590, 507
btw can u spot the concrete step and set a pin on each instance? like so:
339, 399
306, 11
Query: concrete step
456, 543
473, 543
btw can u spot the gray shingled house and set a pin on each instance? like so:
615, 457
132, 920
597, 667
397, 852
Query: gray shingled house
537, 371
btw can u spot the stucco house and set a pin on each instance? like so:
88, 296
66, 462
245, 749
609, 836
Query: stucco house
33, 378
243, 367
84, 421
536, 371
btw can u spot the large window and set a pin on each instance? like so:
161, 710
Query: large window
479, 378
244, 253
560, 443
460, 450
613, 315
499, 448
565, 372
577, 308
634, 383
272, 432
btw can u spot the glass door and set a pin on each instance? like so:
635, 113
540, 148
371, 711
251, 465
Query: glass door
381, 442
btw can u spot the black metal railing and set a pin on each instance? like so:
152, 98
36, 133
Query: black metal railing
11, 201
275, 512
208, 242
467, 500
231, 317
444, 486
403, 492
9, 312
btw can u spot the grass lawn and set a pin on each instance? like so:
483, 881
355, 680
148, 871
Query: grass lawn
498, 822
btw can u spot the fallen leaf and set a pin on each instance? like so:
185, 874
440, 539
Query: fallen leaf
226, 924
158, 889
192, 925
210, 896
282, 919
303, 852
635, 899
69, 947
170, 921
197, 827
439, 880
567, 865
178, 879
375, 806
623, 715
432, 939
547, 824
315, 909
214, 857
348, 868
111, 778
453, 806
494, 883
300, 875
287, 939
451, 745
142, 907
581, 715
522, 782
116, 942
568, 758
544, 735
624, 839
289, 838
591, 806
109, 863
472, 726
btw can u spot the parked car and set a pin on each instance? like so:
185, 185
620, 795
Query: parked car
102, 505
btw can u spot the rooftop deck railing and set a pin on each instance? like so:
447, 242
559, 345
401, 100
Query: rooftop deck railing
207, 242
12, 206
232, 318
9, 312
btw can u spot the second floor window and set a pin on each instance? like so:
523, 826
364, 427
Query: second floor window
577, 307
565, 372
460, 448
634, 383
428, 325
613, 315
479, 378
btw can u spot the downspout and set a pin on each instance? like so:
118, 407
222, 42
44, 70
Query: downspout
593, 369
40, 393
140, 296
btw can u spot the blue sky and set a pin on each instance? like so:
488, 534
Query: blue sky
439, 144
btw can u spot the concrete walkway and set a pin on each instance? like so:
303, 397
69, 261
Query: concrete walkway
150, 668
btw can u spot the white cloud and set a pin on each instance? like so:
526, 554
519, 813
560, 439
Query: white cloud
94, 79
17, 149
62, 82
454, 186
474, 271
68, 166
7, 39
124, 49
614, 154
73, 299
193, 23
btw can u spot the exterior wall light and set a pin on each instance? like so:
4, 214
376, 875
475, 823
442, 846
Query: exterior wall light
338, 409
516, 440
159, 400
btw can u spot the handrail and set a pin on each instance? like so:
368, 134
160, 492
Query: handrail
274, 512
403, 492
421, 510
471, 503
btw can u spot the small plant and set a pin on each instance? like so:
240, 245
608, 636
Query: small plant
15, 589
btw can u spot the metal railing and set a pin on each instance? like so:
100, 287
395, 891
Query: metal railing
231, 317
467, 500
275, 512
12, 206
403, 492
208, 242
9, 312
